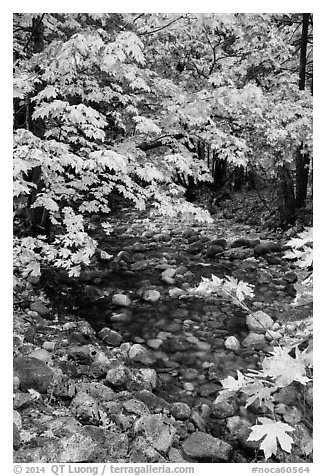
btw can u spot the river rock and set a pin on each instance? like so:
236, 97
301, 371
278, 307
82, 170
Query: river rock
121, 300
287, 395
244, 242
97, 390
41, 354
232, 343
151, 295
180, 411
142, 379
175, 456
201, 445
176, 292
22, 400
214, 250
157, 430
169, 272
49, 346
196, 247
154, 343
198, 420
142, 452
290, 277
223, 409
273, 335
219, 242
239, 429
121, 316
39, 307
181, 270
208, 389
254, 340
267, 247
85, 408
117, 376
137, 407
32, 373
153, 402
138, 353
193, 238
110, 337
259, 322
168, 280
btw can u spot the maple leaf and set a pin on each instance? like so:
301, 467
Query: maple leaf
33, 268
273, 433
284, 369
74, 271
303, 238
230, 383
261, 392
241, 289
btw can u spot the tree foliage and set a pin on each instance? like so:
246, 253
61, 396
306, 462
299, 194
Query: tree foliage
116, 103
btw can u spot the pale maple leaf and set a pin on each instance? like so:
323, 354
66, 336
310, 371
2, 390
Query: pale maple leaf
230, 383
284, 369
258, 391
273, 432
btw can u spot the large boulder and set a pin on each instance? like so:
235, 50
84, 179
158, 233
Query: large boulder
32, 373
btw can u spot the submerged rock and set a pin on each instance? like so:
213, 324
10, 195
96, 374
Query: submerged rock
121, 300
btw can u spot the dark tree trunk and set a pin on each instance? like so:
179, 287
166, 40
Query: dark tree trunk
239, 178
302, 159
39, 217
201, 150
220, 169
286, 199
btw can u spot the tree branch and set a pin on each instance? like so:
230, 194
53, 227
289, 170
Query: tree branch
33, 30
161, 28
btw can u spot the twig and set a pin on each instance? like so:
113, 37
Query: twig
161, 28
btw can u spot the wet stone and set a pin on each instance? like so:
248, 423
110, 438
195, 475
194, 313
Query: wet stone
32, 373
200, 445
39, 307
208, 389
110, 337
180, 411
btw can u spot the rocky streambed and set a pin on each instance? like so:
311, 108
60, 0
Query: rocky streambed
123, 365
